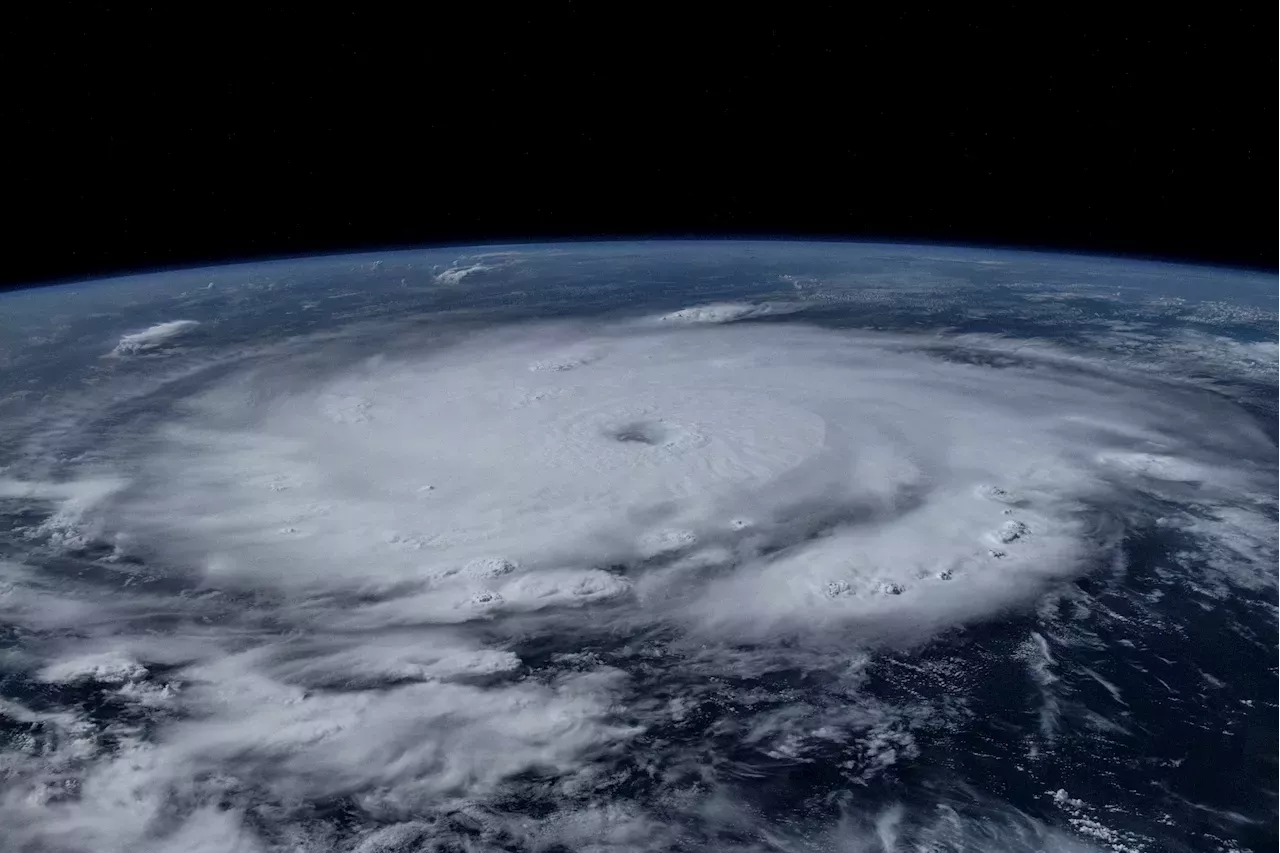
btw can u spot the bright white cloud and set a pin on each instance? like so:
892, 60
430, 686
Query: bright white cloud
107, 667
153, 338
723, 312
455, 274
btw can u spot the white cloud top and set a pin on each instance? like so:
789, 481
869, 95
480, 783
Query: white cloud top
455, 274
724, 312
153, 338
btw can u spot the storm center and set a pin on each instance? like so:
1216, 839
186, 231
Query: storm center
639, 432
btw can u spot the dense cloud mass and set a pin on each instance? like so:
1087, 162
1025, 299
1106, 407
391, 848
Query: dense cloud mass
152, 338
483, 587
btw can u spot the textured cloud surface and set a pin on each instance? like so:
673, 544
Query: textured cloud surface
428, 584
152, 338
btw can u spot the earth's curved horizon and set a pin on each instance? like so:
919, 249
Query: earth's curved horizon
661, 545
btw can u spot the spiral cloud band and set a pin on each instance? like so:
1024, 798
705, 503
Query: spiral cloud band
389, 580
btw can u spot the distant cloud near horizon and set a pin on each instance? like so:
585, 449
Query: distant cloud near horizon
453, 275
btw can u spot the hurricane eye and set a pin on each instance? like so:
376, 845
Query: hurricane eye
638, 432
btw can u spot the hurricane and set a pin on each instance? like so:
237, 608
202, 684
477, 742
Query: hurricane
701, 574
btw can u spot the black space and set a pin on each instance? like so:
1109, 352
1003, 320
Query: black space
158, 138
